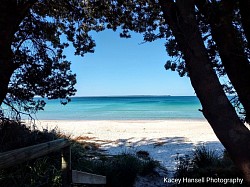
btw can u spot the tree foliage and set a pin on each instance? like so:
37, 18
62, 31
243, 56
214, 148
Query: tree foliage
39, 32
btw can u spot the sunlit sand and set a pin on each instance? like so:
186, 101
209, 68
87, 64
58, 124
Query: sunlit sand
164, 140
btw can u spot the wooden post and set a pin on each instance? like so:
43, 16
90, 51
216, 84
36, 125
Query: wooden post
66, 167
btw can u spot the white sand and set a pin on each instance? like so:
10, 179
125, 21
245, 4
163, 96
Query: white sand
164, 140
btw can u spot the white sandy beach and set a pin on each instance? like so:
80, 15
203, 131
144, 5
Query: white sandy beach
163, 139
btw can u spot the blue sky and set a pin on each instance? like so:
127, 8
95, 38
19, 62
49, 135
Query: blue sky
126, 67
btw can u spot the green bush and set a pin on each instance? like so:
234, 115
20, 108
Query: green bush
207, 163
120, 170
41, 172
15, 134
44, 171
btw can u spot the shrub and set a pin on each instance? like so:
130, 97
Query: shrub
120, 170
15, 134
207, 163
44, 171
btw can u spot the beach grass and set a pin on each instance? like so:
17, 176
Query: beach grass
207, 163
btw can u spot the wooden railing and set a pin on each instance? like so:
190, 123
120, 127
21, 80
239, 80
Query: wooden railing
69, 177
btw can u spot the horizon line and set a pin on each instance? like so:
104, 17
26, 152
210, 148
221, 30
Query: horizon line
133, 95
128, 96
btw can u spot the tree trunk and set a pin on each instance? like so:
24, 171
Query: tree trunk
6, 62
11, 15
230, 48
216, 107
245, 18
5, 75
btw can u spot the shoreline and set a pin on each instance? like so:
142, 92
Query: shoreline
127, 120
164, 140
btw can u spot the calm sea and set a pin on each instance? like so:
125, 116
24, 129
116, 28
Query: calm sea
123, 108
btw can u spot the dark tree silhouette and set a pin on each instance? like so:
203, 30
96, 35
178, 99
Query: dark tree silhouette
33, 36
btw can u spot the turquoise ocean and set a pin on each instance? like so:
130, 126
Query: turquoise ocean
124, 108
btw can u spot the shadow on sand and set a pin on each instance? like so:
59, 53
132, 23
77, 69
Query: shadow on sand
165, 150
